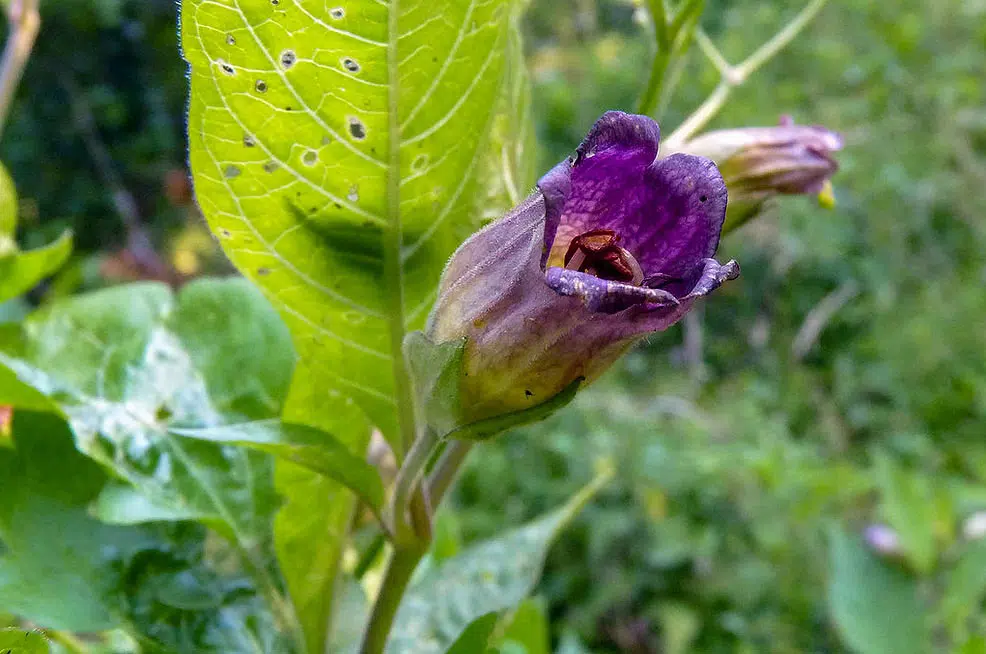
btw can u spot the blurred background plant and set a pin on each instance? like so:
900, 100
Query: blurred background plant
840, 386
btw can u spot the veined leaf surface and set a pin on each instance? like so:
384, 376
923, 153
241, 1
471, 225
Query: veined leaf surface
336, 148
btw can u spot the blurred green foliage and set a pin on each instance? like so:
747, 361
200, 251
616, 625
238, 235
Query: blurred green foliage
745, 476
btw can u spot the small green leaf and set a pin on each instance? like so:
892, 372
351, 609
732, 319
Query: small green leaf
965, 588
910, 508
528, 628
21, 271
435, 370
476, 637
59, 567
121, 504
490, 577
308, 447
18, 641
876, 608
8, 210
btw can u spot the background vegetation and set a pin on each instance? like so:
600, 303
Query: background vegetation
841, 383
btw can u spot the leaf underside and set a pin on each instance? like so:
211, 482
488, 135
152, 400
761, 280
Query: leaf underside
326, 137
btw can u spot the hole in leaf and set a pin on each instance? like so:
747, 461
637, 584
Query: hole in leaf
249, 141
231, 171
337, 13
353, 195
260, 86
350, 65
288, 58
357, 129
226, 67
271, 166
230, 39
309, 158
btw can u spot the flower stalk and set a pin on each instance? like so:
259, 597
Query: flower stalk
733, 76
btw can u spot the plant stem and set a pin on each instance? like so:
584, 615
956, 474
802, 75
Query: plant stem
733, 76
406, 486
399, 570
446, 470
672, 41
25, 21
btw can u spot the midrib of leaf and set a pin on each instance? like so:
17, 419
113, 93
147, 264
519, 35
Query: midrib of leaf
394, 236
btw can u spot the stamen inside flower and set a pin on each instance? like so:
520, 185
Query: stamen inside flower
597, 253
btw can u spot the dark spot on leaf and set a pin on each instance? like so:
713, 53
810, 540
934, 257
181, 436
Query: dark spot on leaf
528, 393
275, 2
357, 129
313, 210
271, 166
231, 171
326, 140
260, 86
248, 141
163, 414
703, 198
309, 158
434, 60
287, 108
337, 13
263, 271
225, 233
350, 65
288, 57
337, 205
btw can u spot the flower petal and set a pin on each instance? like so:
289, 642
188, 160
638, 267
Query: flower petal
667, 212
604, 296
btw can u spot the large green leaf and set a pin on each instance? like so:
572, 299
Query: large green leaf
59, 567
125, 365
339, 152
876, 607
490, 577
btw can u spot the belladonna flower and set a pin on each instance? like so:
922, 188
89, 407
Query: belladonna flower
612, 245
759, 163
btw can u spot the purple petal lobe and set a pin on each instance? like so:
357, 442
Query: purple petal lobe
668, 212
604, 296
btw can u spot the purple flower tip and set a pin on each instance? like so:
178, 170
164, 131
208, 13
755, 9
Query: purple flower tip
624, 229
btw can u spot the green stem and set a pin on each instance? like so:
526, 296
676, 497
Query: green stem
658, 67
445, 471
733, 76
406, 486
25, 21
399, 570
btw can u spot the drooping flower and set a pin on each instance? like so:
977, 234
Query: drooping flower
759, 163
612, 245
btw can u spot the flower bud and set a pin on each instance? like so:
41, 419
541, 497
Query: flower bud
759, 163
612, 245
